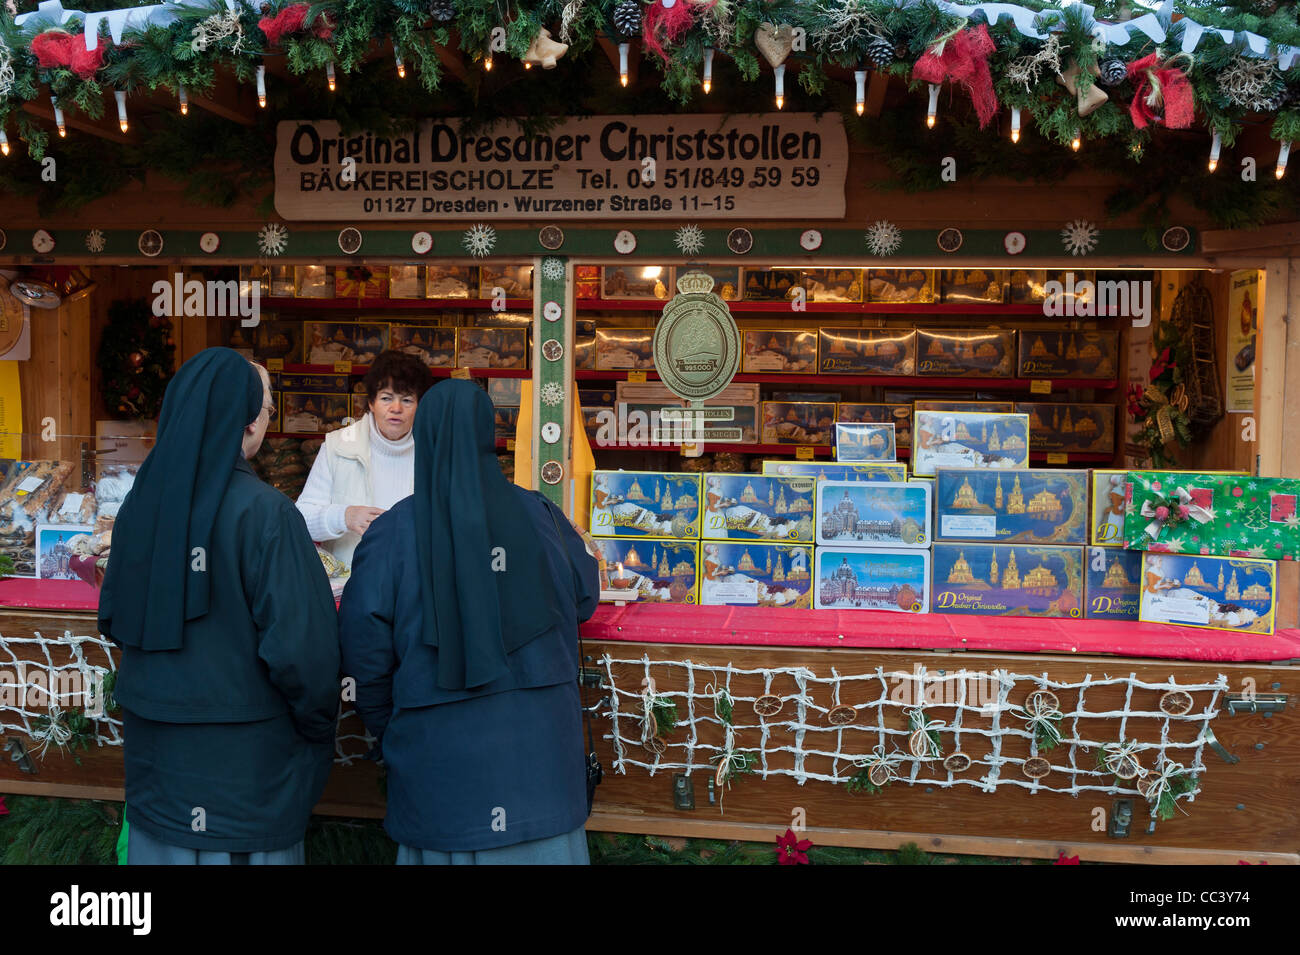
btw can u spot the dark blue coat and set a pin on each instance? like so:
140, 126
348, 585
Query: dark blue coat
230, 739
468, 769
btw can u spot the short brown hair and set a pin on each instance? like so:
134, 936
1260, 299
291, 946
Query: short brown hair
399, 372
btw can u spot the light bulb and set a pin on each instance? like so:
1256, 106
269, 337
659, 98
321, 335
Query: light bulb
120, 96
1015, 124
329, 75
58, 117
1076, 142
184, 99
529, 66
708, 69
860, 81
933, 109
1282, 155
622, 63
1215, 143
4, 143
261, 87
780, 86
487, 63
401, 67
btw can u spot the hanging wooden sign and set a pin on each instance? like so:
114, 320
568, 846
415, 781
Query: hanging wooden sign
768, 166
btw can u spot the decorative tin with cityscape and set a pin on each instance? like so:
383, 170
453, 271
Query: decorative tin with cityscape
1112, 583
649, 571
853, 578
860, 441
1062, 426
1218, 593
873, 515
753, 574
645, 504
956, 439
1008, 580
758, 507
884, 471
1035, 506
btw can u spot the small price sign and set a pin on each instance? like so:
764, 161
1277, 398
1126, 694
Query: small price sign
803, 454
1040, 386
460, 373
510, 444
1057, 457
636, 376
343, 367
275, 364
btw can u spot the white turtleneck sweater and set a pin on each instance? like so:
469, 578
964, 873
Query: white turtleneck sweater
390, 470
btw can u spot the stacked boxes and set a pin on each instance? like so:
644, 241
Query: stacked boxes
758, 507
1034, 506
744, 573
944, 439
1008, 580
647, 527
870, 540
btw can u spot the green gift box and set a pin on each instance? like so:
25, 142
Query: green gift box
1230, 515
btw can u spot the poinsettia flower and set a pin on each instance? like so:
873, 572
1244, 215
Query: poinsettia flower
1063, 859
791, 850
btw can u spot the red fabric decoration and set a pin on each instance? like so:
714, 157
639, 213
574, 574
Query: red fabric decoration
669, 24
1153, 86
4, 810
791, 850
963, 59
290, 20
54, 49
1063, 859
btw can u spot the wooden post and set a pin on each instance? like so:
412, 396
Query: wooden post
550, 419
1278, 347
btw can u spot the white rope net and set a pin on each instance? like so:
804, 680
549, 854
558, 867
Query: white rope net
980, 713
43, 677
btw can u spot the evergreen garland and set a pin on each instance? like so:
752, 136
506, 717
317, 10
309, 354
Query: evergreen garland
136, 358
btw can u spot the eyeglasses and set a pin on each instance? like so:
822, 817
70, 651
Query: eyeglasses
270, 412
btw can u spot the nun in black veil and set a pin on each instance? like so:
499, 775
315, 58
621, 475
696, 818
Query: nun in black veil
460, 625
229, 677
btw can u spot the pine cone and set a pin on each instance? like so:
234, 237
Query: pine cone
879, 52
627, 18
1113, 72
442, 10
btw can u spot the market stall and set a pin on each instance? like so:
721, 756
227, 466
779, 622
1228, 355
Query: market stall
879, 575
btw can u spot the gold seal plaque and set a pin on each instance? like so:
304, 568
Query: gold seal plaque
696, 343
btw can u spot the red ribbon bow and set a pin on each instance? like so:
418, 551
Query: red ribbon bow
669, 24
55, 48
963, 59
290, 20
1155, 85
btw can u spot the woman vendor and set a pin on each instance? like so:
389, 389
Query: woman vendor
229, 677
460, 626
367, 467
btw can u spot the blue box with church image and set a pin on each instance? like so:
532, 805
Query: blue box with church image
839, 471
1112, 583
864, 578
1008, 580
1031, 506
873, 514
758, 507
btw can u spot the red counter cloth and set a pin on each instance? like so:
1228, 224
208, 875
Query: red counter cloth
772, 627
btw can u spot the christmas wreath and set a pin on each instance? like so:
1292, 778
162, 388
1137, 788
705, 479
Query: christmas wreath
1161, 407
135, 360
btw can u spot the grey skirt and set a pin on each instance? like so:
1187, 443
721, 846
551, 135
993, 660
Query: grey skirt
144, 849
567, 849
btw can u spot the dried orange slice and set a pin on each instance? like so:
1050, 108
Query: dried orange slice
768, 705
958, 762
841, 715
1036, 767
879, 774
1176, 703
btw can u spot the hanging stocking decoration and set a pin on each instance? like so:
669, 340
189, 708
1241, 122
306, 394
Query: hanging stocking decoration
1088, 100
55, 49
1160, 86
291, 20
963, 57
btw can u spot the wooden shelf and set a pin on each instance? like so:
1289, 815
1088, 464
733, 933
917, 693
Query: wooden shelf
821, 451
436, 372
501, 442
886, 381
825, 308
282, 303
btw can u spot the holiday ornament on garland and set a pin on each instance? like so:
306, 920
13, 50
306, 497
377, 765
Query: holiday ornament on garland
136, 358
962, 56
